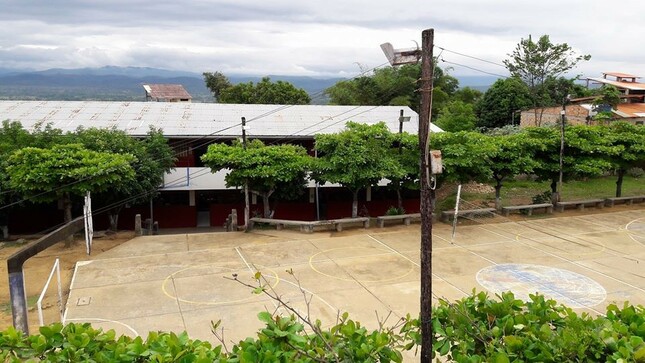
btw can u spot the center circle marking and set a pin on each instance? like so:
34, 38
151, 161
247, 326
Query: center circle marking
272, 275
569, 288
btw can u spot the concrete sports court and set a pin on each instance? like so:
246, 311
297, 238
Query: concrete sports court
176, 282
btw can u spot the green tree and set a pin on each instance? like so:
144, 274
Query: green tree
536, 62
608, 95
457, 116
407, 154
467, 95
61, 171
392, 86
631, 140
153, 157
587, 153
264, 92
357, 157
501, 103
465, 155
216, 82
513, 155
266, 168
12, 138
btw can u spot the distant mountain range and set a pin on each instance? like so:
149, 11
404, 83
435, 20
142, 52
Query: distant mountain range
111, 83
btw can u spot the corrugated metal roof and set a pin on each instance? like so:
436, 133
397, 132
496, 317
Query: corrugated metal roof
202, 119
166, 92
635, 86
620, 75
632, 109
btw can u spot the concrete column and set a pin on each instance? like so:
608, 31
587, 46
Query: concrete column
137, 224
191, 198
254, 198
368, 193
234, 220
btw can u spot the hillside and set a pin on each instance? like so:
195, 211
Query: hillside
122, 83
112, 83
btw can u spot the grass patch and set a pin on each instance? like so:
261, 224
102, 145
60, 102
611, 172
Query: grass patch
515, 192
5, 307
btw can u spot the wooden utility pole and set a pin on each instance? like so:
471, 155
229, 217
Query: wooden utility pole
427, 72
246, 182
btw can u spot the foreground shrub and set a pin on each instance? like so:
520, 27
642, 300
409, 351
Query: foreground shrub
283, 339
480, 329
475, 329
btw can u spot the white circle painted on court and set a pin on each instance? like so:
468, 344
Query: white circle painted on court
566, 287
636, 230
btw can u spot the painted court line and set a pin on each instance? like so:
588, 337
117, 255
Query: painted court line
580, 265
418, 265
239, 252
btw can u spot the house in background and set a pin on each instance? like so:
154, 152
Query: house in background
193, 196
580, 111
166, 93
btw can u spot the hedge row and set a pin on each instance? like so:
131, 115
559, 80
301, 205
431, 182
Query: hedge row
475, 329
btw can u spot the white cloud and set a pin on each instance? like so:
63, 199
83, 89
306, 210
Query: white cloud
306, 37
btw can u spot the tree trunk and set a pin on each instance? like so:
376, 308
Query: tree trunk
114, 221
355, 203
266, 206
67, 216
619, 182
399, 198
114, 218
555, 196
498, 194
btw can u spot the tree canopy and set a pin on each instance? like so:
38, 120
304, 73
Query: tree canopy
535, 62
153, 157
216, 82
393, 86
500, 104
263, 92
64, 170
542, 62
357, 157
457, 116
267, 169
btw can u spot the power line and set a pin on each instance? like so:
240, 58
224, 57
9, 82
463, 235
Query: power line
470, 56
475, 69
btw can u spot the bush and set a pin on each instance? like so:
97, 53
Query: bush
635, 172
394, 211
283, 339
542, 198
478, 329
474, 329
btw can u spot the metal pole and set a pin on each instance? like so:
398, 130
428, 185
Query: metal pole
18, 301
317, 195
246, 182
152, 219
562, 113
399, 198
427, 71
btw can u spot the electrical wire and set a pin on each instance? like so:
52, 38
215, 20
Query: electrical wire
469, 56
475, 69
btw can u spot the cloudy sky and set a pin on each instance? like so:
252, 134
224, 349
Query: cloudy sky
306, 37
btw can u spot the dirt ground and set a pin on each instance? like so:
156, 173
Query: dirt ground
37, 271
